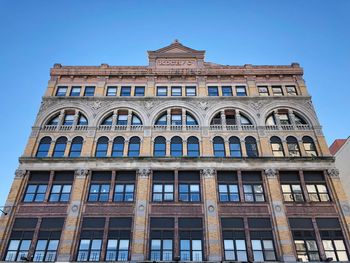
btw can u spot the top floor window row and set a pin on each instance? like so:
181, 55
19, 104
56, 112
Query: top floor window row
225, 90
277, 90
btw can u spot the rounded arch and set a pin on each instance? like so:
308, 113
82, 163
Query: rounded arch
102, 146
134, 146
46, 115
282, 111
159, 146
76, 146
121, 117
235, 146
219, 147
251, 146
44, 146
176, 147
193, 149
118, 146
189, 112
60, 147
230, 112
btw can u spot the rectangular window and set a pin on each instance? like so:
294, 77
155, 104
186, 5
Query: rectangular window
226, 91
61, 91
234, 239
68, 119
262, 239
90, 243
263, 91
316, 187
48, 239
228, 186
122, 119
99, 187
191, 91
176, 91
163, 186
277, 90
213, 91
125, 91
119, 235
112, 91
176, 119
332, 239
291, 90
161, 239
75, 91
252, 187
124, 187
189, 187
89, 91
61, 187
162, 91
37, 186
291, 186
304, 239
139, 91
241, 91
191, 239
20, 239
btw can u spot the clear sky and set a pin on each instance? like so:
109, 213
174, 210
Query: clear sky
37, 34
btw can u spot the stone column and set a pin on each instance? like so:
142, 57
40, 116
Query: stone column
126, 148
244, 149
340, 199
167, 147
223, 119
279, 217
140, 233
252, 90
227, 147
212, 231
168, 119
67, 150
14, 197
238, 119
70, 235
184, 148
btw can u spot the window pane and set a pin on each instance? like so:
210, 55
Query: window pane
256, 244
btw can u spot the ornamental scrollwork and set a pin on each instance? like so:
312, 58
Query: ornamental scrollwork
333, 172
20, 173
144, 172
82, 172
270, 172
208, 172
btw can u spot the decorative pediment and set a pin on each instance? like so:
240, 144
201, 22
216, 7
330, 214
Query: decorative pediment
176, 55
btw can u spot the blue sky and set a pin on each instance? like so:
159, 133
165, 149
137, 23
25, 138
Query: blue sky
37, 34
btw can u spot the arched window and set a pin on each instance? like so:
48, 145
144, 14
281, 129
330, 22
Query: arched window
44, 147
108, 120
245, 120
309, 146
219, 147
235, 147
101, 147
176, 146
68, 119
251, 146
193, 147
299, 120
60, 147
135, 120
270, 120
76, 146
134, 147
82, 120
230, 118
54, 120
293, 146
118, 147
159, 147
190, 120
276, 146
162, 120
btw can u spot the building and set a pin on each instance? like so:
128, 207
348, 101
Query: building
340, 149
181, 160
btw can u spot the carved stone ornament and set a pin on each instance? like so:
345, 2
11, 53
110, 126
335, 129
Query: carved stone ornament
96, 105
144, 172
256, 105
333, 172
20, 173
203, 105
149, 104
208, 172
82, 172
270, 172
